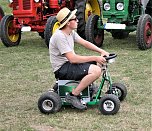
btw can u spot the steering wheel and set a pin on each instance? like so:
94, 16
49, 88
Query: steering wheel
110, 58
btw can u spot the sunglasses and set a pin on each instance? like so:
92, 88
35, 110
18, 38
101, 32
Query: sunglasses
75, 19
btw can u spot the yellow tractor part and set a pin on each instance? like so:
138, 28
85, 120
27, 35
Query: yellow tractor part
55, 27
92, 7
12, 37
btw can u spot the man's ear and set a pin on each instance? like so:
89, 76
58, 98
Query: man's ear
68, 23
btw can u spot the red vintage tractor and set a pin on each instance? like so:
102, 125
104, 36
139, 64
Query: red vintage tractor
29, 15
37, 15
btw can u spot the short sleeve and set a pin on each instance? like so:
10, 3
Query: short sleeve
62, 45
76, 37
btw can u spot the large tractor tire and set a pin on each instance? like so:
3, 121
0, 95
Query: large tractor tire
144, 32
84, 9
1, 13
10, 36
51, 26
93, 34
80, 5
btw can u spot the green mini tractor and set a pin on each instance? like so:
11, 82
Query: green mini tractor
108, 95
122, 17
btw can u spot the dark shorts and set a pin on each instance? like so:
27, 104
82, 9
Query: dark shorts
70, 71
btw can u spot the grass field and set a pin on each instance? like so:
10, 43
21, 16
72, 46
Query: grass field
25, 73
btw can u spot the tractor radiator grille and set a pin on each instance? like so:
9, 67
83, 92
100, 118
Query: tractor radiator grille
26, 5
15, 5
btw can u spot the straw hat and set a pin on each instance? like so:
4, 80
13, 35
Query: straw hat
64, 15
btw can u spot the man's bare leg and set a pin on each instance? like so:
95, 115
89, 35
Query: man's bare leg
93, 74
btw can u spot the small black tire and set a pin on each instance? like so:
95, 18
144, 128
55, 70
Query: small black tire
10, 36
50, 27
120, 89
49, 102
144, 32
92, 33
109, 104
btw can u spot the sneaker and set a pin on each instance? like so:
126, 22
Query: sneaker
75, 102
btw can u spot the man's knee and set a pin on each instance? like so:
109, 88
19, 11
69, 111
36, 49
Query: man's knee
94, 69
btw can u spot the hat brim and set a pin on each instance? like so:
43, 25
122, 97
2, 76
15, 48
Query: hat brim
72, 14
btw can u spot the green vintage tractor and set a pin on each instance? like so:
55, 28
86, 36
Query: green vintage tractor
123, 17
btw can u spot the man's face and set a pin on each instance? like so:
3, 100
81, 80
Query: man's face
73, 22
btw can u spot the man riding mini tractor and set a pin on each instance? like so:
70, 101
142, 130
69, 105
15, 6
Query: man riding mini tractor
107, 96
123, 17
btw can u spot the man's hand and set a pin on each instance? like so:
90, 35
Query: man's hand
104, 53
100, 59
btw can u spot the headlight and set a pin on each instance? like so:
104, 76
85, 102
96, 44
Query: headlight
106, 6
120, 6
36, 1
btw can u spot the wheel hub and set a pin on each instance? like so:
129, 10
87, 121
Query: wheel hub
148, 33
47, 105
108, 105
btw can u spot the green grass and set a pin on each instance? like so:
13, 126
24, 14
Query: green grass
26, 73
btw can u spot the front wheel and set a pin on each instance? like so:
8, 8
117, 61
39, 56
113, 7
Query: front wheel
119, 90
10, 36
92, 33
49, 102
109, 104
144, 32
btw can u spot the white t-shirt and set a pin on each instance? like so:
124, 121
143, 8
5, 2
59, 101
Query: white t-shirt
60, 44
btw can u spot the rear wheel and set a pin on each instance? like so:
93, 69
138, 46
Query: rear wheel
93, 34
51, 26
49, 102
109, 104
144, 32
10, 36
